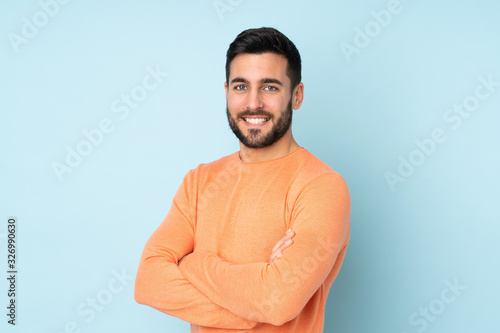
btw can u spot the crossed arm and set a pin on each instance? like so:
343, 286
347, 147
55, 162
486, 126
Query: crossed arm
160, 284
207, 291
277, 293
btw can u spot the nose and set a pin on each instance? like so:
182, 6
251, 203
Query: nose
254, 100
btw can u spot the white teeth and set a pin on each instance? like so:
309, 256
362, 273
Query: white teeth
255, 121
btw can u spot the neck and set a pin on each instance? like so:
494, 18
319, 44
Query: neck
280, 148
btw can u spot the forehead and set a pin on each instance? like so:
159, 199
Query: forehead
255, 67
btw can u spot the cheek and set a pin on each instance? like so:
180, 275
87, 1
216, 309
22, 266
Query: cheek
235, 103
274, 105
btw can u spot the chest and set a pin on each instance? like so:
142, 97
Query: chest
242, 218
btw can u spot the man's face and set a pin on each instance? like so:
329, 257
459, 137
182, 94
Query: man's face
259, 99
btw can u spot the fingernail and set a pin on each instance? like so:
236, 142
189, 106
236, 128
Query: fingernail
288, 242
289, 231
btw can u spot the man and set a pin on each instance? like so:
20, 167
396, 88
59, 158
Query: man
254, 240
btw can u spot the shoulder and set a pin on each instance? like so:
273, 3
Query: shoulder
313, 171
226, 164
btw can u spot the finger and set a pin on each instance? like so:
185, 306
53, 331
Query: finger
280, 245
280, 242
275, 253
279, 251
285, 245
289, 234
275, 256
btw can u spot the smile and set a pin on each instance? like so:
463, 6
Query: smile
256, 121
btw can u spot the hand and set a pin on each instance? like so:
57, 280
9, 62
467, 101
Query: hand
282, 244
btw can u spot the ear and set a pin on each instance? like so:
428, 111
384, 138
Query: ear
225, 88
298, 96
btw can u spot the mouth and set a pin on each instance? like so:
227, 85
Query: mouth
255, 120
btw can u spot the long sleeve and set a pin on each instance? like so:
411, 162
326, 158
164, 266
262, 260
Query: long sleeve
276, 293
159, 282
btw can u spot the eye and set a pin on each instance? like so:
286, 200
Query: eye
239, 87
270, 88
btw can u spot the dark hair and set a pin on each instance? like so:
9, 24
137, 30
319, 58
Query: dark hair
263, 40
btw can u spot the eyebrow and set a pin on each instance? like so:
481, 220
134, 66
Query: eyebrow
265, 80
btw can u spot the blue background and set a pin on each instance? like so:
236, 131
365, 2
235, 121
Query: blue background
361, 114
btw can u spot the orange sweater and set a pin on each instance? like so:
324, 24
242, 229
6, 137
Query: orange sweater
230, 214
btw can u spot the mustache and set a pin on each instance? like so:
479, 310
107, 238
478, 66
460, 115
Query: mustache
259, 112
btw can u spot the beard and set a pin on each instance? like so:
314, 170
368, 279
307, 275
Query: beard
255, 138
